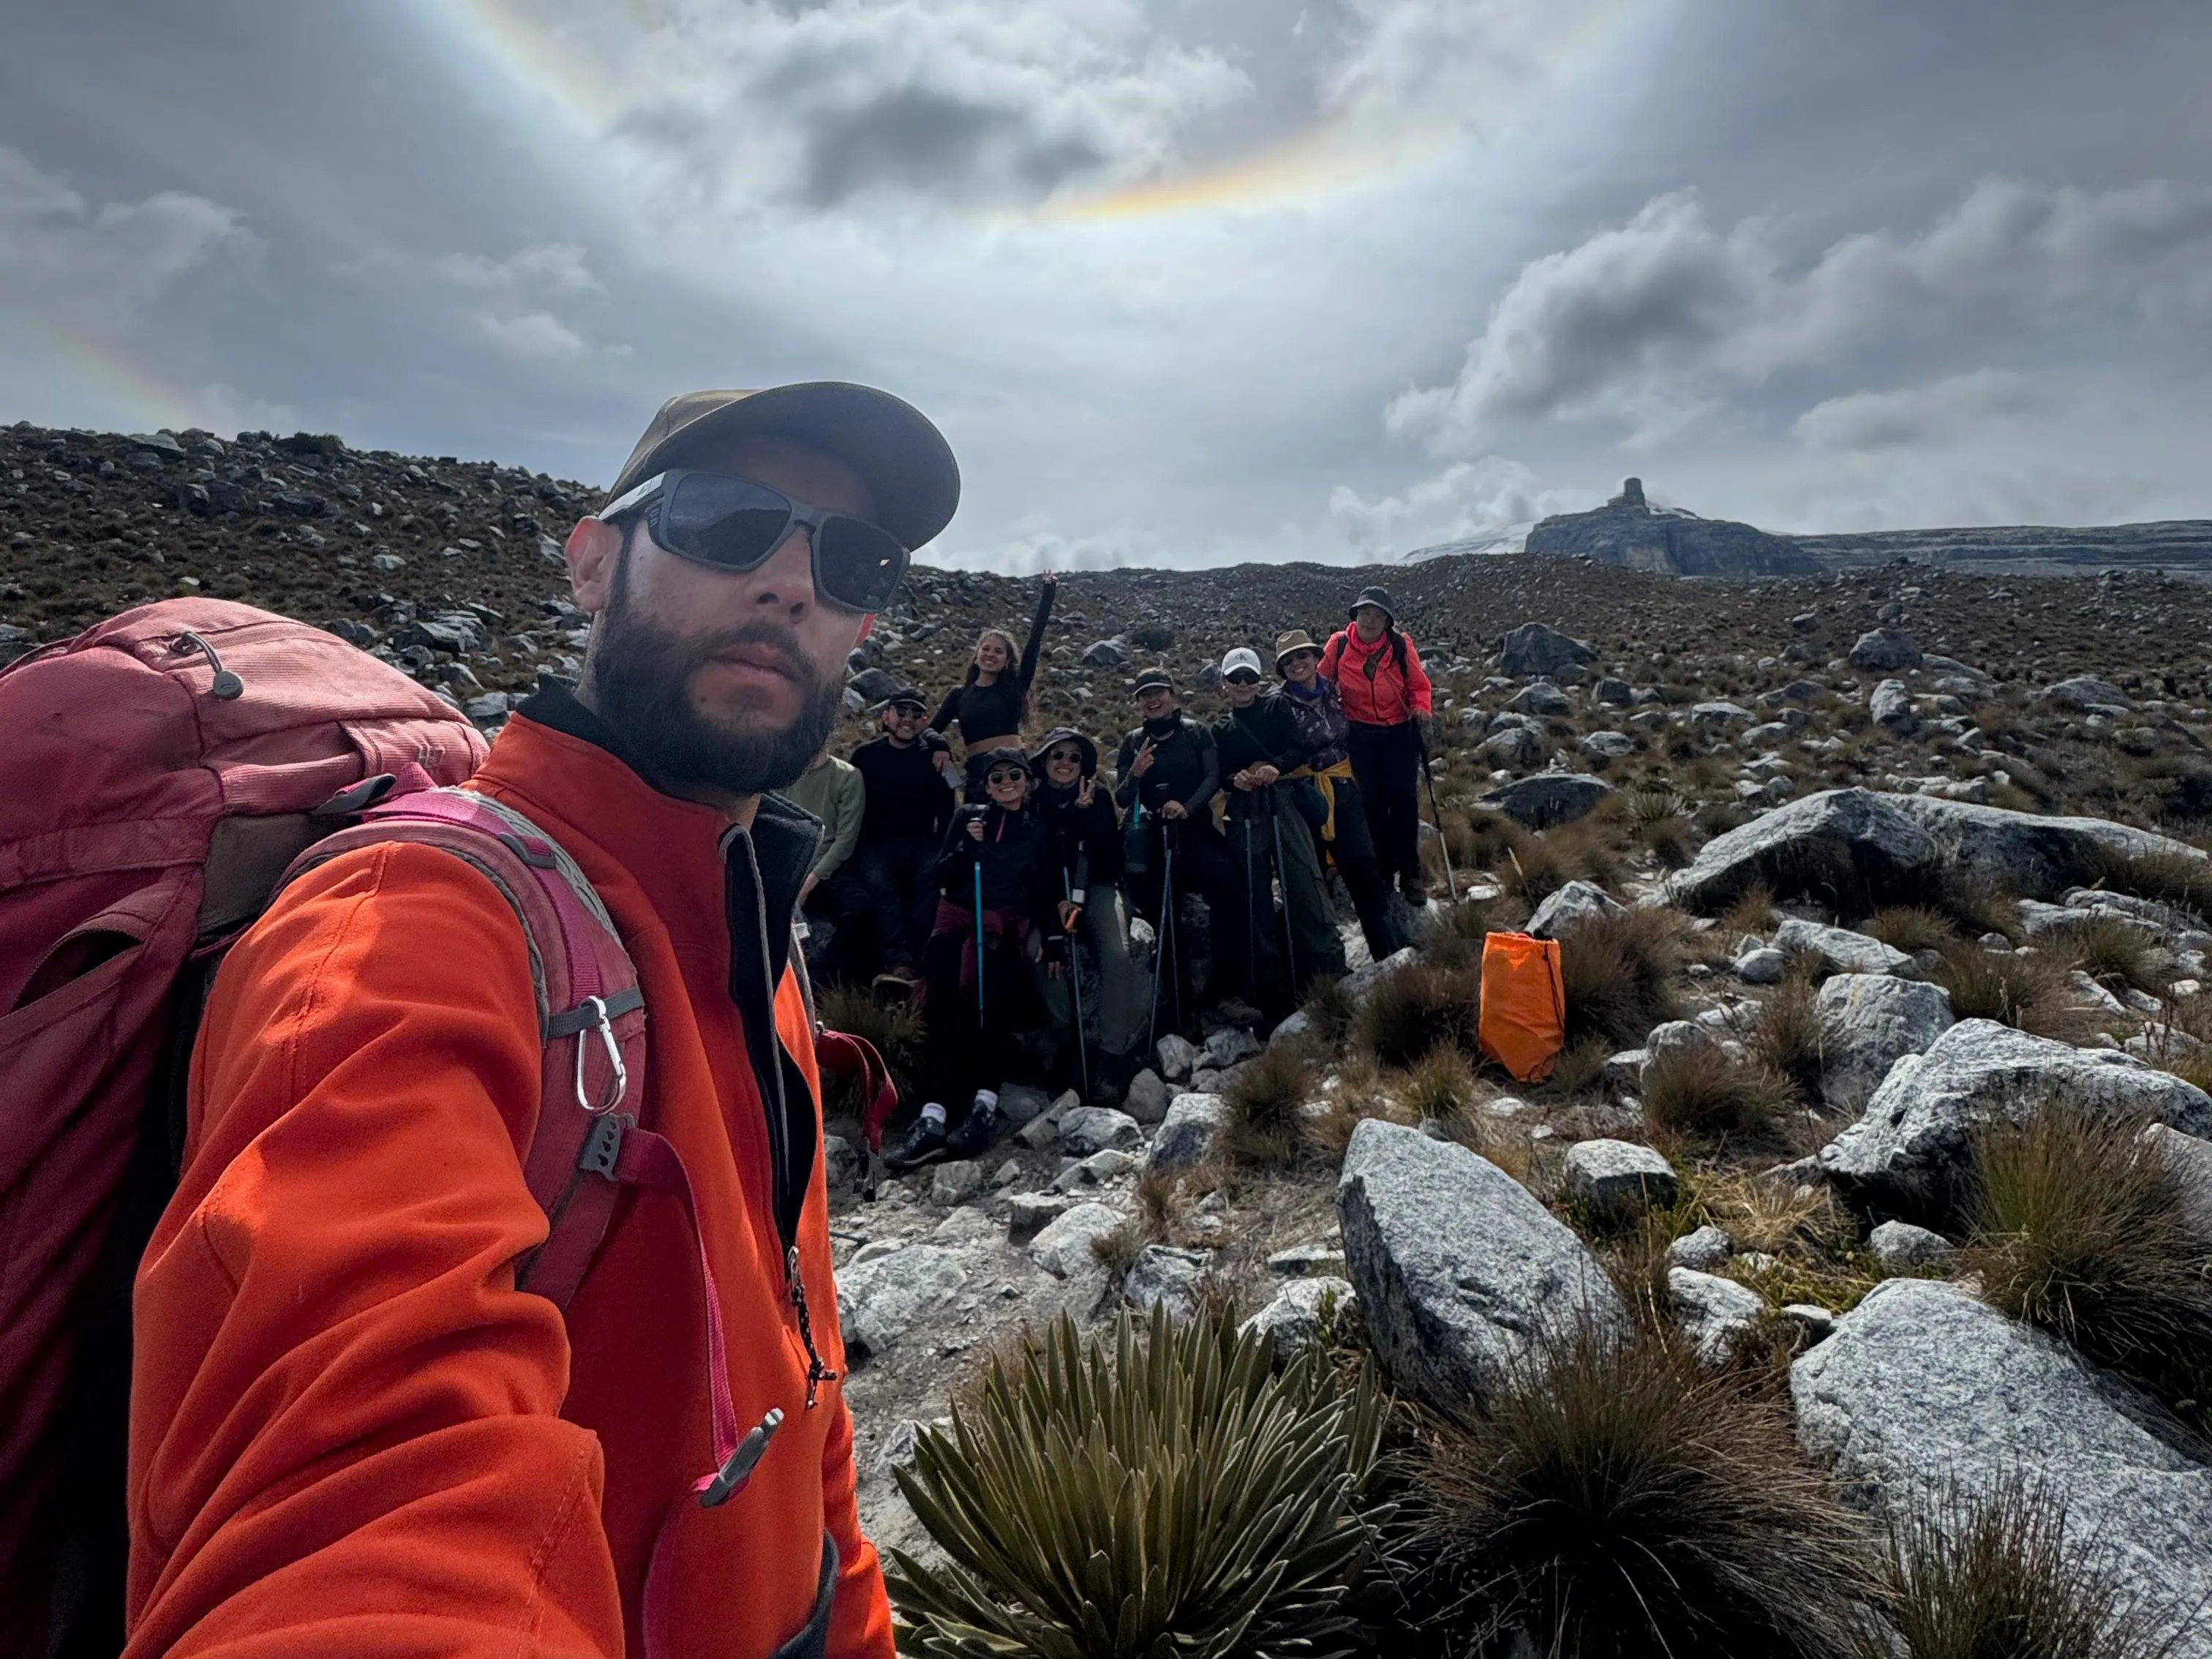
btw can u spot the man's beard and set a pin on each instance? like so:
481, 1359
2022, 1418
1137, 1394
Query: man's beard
641, 675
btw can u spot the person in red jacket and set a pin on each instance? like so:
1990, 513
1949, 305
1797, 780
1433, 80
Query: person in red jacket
1385, 692
350, 1433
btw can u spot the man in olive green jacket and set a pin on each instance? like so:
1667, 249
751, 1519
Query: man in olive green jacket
838, 911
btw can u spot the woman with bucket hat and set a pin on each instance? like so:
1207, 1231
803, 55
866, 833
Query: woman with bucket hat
1385, 692
999, 904
1343, 836
1083, 843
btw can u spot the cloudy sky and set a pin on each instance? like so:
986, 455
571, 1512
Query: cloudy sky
1185, 280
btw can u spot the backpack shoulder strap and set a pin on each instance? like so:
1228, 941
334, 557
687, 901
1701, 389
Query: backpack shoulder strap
590, 1011
585, 1149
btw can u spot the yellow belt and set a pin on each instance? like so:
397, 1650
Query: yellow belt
1325, 781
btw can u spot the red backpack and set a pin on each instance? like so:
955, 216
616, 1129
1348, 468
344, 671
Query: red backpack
167, 772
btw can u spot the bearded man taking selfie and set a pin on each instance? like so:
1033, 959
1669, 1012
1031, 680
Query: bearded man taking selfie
352, 1433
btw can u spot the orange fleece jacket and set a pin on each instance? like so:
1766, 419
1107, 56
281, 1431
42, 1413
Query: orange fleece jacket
351, 1436
1385, 698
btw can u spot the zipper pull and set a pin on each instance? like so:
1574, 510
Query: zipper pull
818, 1373
226, 686
730, 1478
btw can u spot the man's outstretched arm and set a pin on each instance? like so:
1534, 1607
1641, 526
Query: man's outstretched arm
344, 1431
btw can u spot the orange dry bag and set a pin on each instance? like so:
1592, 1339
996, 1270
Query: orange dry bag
1525, 1004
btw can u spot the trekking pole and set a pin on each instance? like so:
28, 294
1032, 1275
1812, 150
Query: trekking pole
1159, 937
1075, 991
1283, 874
979, 945
1251, 908
1451, 882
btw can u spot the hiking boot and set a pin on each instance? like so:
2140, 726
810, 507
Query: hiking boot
923, 1142
1235, 1010
975, 1129
1416, 890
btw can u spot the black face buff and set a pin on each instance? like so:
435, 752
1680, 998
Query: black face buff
735, 525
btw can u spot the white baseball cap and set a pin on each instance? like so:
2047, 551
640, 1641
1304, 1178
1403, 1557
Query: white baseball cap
1242, 656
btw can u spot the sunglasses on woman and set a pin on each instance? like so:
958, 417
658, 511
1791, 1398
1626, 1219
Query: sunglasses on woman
1069, 757
1006, 775
735, 525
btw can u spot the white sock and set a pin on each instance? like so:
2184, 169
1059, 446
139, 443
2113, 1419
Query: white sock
932, 1113
987, 1100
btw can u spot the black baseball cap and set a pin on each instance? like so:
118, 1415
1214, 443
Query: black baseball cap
1150, 677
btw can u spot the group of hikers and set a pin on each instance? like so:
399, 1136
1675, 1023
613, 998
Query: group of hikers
992, 888
420, 1196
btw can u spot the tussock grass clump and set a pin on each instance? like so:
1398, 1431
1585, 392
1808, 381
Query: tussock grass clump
1786, 1039
1536, 866
1117, 1251
2027, 992
1753, 911
2180, 1040
1263, 1104
1913, 928
2083, 1227
1154, 1489
1974, 905
1580, 1067
1162, 1204
1700, 1093
896, 1032
1416, 1009
1669, 841
1442, 1086
1452, 936
1614, 1500
1618, 971
1362, 1092
1534, 870
1996, 1577
1329, 1007
2175, 878
1483, 839
2112, 951
1659, 817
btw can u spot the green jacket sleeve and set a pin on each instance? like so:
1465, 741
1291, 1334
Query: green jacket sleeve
840, 823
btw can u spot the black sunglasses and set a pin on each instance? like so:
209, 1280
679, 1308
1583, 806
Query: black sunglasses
1243, 676
1074, 756
1006, 774
734, 523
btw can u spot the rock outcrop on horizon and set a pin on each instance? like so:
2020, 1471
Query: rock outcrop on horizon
1629, 531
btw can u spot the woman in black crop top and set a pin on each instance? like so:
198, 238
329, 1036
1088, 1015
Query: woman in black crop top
990, 704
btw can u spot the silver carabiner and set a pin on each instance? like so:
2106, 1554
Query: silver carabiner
606, 1030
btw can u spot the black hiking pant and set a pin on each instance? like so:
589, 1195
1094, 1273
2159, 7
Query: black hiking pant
966, 1047
899, 874
1202, 866
1353, 852
1290, 949
840, 912
1386, 760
